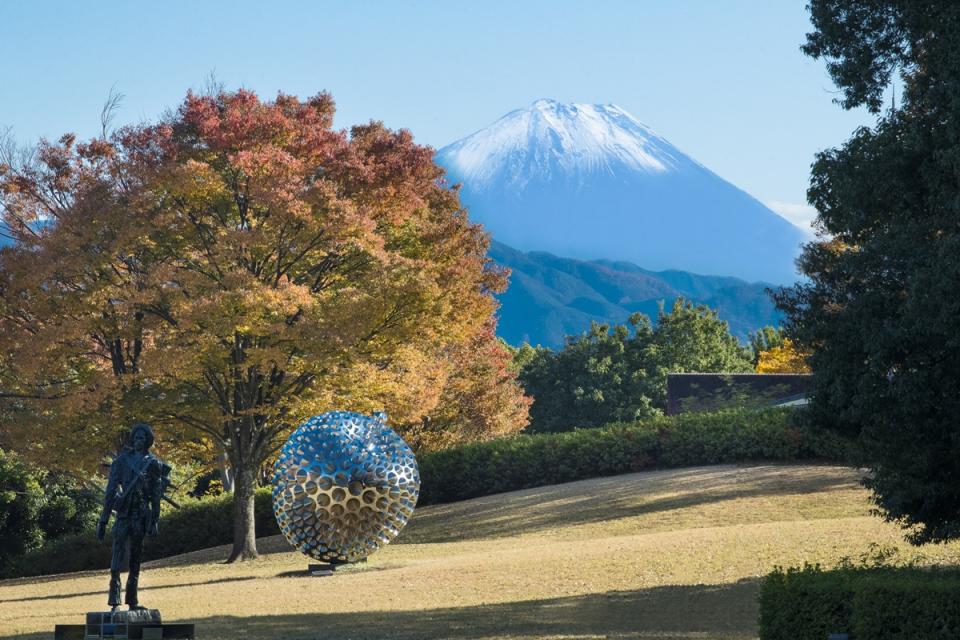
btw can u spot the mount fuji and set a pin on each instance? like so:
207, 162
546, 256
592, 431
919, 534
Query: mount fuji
593, 182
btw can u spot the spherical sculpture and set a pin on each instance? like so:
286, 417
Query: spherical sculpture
345, 484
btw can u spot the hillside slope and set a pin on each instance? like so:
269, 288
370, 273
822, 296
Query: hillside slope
658, 554
551, 297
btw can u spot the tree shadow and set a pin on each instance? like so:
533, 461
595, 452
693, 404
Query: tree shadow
699, 611
612, 498
180, 585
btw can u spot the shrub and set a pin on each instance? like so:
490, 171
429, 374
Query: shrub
875, 603
796, 604
523, 461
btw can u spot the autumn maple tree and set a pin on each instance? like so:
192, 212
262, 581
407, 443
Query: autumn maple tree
232, 270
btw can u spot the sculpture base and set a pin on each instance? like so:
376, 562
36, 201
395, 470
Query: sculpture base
321, 570
135, 624
328, 568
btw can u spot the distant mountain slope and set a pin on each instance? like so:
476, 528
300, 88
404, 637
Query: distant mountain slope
551, 297
592, 181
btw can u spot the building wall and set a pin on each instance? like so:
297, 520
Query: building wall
709, 391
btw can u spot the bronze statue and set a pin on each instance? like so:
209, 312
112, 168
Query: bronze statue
135, 488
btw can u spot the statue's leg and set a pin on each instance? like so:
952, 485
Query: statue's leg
113, 599
133, 577
120, 534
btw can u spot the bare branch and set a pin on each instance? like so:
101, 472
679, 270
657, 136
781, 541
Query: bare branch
212, 85
110, 107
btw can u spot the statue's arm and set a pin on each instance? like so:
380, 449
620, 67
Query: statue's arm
110, 495
156, 494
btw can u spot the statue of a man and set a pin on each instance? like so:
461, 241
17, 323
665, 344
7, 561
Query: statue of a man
134, 491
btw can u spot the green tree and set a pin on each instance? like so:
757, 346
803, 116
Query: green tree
619, 373
879, 309
764, 339
691, 338
597, 378
69, 506
37, 506
21, 498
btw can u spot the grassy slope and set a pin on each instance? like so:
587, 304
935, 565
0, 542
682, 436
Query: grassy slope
664, 554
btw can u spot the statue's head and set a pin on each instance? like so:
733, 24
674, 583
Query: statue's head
141, 437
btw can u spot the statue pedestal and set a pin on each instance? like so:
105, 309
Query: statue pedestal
136, 624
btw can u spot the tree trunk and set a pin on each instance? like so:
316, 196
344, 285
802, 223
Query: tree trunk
244, 522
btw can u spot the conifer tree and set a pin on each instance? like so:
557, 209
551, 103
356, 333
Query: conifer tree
879, 309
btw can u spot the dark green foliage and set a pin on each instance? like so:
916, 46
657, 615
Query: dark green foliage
21, 498
917, 606
198, 525
619, 374
804, 604
36, 506
69, 507
880, 308
874, 603
599, 377
519, 462
76, 552
763, 340
523, 461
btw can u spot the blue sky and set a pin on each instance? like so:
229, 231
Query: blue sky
724, 81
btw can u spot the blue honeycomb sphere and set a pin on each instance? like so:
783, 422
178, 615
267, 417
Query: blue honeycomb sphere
344, 485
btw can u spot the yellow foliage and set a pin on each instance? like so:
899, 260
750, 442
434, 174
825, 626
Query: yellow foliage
785, 358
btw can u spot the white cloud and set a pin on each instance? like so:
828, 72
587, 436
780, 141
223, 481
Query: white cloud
800, 215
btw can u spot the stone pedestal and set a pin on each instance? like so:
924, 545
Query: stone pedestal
136, 624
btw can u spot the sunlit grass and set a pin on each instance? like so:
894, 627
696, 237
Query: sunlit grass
665, 554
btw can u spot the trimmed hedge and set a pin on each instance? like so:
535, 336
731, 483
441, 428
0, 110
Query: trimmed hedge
507, 464
523, 461
867, 603
198, 525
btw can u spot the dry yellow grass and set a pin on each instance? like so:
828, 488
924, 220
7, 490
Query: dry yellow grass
665, 554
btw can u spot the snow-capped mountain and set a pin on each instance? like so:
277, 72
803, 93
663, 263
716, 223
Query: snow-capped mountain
593, 182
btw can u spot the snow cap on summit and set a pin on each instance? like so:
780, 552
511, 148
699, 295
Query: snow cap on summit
564, 139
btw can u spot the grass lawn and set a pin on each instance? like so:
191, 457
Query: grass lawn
663, 554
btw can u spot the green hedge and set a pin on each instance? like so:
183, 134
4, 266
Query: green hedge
874, 604
522, 461
198, 525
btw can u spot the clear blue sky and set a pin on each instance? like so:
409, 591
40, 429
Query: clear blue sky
724, 81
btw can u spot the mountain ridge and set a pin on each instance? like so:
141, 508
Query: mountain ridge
551, 297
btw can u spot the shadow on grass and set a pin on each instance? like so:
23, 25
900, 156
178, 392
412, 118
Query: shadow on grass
701, 611
180, 585
612, 498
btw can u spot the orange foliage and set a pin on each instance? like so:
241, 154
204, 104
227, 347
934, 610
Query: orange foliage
235, 269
